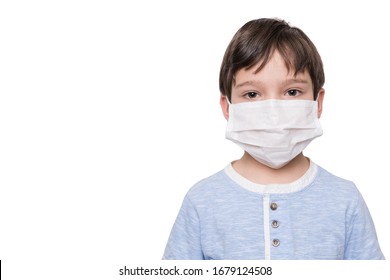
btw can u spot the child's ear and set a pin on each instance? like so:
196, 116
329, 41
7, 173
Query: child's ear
224, 106
320, 100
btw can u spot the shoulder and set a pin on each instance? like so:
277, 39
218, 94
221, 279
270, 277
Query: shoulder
335, 183
337, 190
211, 187
340, 194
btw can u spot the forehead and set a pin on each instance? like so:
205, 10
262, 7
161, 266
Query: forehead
275, 70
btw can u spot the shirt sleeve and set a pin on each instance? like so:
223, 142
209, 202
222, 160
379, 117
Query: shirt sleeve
184, 242
362, 241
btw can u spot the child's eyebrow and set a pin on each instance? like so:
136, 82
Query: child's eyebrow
246, 83
287, 81
297, 80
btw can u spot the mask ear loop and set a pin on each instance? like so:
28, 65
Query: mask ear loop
227, 99
318, 96
317, 105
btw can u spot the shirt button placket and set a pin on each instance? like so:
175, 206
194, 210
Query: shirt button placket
275, 224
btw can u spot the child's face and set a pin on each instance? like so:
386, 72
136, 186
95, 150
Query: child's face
274, 81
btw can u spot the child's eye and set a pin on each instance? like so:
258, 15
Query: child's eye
251, 94
293, 92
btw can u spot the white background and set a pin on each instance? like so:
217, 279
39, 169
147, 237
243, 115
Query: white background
109, 113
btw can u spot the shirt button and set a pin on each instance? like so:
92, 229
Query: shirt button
274, 206
275, 242
275, 224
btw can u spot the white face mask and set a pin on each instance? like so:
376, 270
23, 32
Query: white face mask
273, 131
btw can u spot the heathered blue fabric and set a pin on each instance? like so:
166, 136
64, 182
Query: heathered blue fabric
327, 219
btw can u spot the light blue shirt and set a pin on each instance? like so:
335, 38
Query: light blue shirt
319, 216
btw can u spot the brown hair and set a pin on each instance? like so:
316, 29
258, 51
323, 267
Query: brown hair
256, 42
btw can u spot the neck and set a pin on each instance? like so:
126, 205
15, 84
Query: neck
259, 173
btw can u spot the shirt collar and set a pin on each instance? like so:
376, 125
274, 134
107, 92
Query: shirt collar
295, 186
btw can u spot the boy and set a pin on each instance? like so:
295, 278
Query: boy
273, 203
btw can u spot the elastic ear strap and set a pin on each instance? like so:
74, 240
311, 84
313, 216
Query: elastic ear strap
227, 99
318, 94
